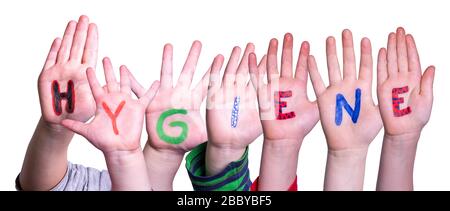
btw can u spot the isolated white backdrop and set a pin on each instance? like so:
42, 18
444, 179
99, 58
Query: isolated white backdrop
134, 32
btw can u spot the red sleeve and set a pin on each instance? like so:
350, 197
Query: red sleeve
293, 186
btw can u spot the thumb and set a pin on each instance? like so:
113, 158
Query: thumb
75, 126
426, 83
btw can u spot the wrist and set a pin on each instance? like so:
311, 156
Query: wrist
123, 157
345, 169
282, 147
402, 141
218, 157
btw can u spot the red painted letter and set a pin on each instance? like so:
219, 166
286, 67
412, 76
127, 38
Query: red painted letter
396, 101
282, 104
115, 115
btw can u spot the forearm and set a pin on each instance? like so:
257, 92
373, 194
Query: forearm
162, 166
45, 162
345, 170
397, 162
127, 170
278, 164
219, 157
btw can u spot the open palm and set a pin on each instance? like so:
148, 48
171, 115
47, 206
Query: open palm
67, 62
118, 120
231, 115
173, 118
361, 130
399, 67
299, 115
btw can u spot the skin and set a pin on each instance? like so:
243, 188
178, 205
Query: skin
282, 138
399, 66
45, 162
164, 159
122, 151
347, 143
225, 143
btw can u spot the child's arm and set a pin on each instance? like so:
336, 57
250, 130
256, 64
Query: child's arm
349, 117
116, 128
173, 120
45, 162
405, 96
286, 114
232, 117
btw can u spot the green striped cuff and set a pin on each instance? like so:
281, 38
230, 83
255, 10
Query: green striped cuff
235, 177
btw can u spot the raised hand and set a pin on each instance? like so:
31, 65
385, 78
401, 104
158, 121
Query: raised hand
405, 95
348, 115
285, 111
63, 88
232, 117
286, 114
116, 128
117, 124
174, 123
406, 98
173, 117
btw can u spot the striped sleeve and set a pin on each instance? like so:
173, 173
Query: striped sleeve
235, 177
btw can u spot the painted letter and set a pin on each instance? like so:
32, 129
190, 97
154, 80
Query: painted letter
235, 112
184, 127
57, 96
279, 105
396, 101
113, 116
341, 102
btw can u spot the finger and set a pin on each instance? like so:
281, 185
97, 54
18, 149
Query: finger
316, 79
66, 43
52, 54
392, 55
230, 71
334, 71
302, 65
286, 56
167, 67
242, 72
79, 39
76, 126
382, 73
214, 76
96, 88
125, 84
136, 87
413, 56
90, 52
185, 79
402, 52
426, 84
111, 81
366, 63
150, 94
254, 73
272, 63
348, 55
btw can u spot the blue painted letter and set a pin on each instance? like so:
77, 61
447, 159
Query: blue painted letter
341, 102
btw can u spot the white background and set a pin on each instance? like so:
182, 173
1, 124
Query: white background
134, 32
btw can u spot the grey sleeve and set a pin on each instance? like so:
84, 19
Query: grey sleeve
80, 178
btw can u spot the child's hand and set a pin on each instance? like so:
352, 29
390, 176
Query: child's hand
405, 97
231, 113
173, 117
63, 88
349, 117
117, 124
285, 111
232, 117
116, 128
287, 115
404, 94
